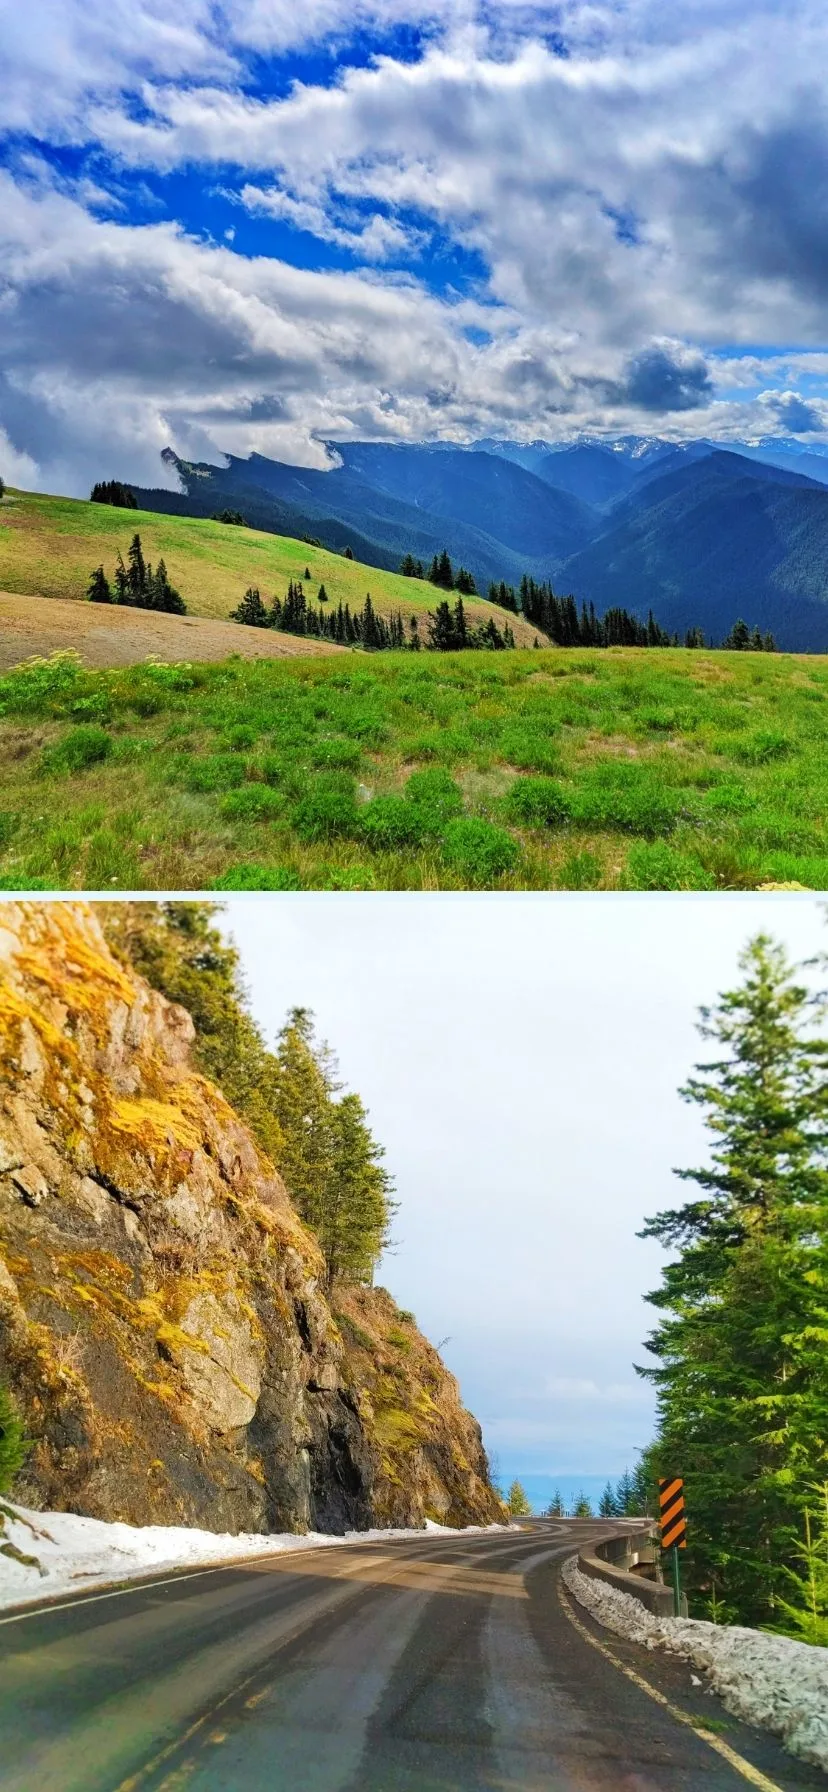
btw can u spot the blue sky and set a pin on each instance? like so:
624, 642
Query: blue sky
531, 1121
405, 219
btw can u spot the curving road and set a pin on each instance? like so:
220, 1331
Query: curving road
442, 1665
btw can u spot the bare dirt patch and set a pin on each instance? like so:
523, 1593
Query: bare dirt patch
106, 635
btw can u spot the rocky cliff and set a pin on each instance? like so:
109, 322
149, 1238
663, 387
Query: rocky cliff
162, 1320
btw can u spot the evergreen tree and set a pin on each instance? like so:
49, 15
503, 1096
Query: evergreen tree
582, 1507
517, 1501
111, 491
742, 1380
769, 643
251, 609
322, 595
161, 595
739, 638
555, 1509
348, 553
465, 584
607, 1507
415, 643
121, 581
98, 590
136, 571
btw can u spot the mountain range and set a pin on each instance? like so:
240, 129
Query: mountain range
700, 532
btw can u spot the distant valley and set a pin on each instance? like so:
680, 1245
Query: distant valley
698, 532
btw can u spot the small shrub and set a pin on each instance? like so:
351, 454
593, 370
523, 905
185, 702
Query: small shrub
215, 771
626, 799
14, 1447
529, 750
327, 809
241, 738
257, 877
80, 748
477, 849
658, 866
336, 755
763, 746
538, 803
580, 871
435, 797
252, 802
389, 821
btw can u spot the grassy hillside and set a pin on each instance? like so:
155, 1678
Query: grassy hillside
49, 546
552, 769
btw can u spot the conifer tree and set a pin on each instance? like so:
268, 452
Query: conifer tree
517, 1501
555, 1509
607, 1507
98, 590
742, 1381
582, 1507
322, 595
251, 609
136, 571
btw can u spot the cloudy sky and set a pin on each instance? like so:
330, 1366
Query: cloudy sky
520, 1058
262, 225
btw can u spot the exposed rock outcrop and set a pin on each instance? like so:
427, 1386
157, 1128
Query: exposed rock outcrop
162, 1320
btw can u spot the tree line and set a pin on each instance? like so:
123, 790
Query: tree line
111, 491
448, 629
291, 1096
136, 584
440, 573
741, 1344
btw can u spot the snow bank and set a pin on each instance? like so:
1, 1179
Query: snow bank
75, 1553
771, 1681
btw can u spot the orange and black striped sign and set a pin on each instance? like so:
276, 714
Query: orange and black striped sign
671, 1511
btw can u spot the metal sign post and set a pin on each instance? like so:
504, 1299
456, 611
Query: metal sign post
673, 1528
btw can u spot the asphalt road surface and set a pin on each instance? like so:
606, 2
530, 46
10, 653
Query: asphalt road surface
441, 1665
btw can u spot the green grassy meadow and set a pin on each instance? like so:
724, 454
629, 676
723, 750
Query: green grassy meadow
49, 547
553, 769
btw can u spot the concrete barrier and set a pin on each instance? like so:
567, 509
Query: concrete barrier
629, 1560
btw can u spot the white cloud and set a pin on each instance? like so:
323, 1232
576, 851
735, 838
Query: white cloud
625, 203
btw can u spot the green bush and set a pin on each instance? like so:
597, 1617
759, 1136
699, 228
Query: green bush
538, 803
252, 802
658, 866
435, 797
241, 738
14, 1446
80, 748
215, 771
336, 755
389, 822
257, 877
627, 798
530, 750
328, 808
478, 850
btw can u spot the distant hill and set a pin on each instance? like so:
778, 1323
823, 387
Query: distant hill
386, 501
697, 533
720, 538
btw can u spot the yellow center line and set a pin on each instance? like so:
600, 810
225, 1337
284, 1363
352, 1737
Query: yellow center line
737, 1762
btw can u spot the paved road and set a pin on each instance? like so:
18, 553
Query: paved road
433, 1666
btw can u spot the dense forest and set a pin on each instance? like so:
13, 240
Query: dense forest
740, 1347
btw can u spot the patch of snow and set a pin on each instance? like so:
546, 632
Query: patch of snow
771, 1681
74, 1553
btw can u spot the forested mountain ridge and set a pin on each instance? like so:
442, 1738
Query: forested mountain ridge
720, 537
696, 532
168, 1324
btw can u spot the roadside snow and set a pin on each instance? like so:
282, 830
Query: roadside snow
75, 1553
771, 1681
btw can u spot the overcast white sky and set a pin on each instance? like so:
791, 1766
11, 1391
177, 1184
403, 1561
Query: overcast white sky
520, 1058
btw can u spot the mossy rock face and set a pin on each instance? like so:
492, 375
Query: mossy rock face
162, 1324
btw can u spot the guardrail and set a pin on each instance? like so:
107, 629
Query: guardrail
630, 1561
